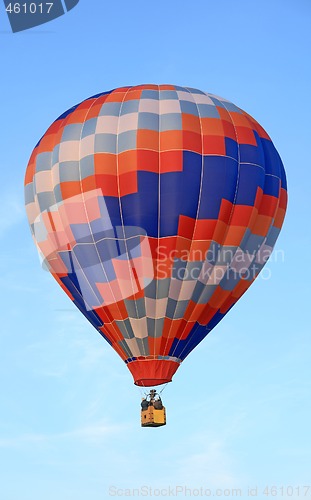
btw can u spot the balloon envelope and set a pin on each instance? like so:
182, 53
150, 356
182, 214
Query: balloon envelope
155, 207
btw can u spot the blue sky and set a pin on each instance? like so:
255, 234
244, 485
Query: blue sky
239, 408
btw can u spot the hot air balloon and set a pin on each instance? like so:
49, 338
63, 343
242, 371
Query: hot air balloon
155, 207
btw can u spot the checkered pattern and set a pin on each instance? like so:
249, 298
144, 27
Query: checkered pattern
155, 207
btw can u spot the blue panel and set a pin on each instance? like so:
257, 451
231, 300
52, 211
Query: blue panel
168, 94
219, 181
150, 94
215, 320
141, 209
192, 168
272, 185
272, 159
208, 111
148, 121
107, 250
99, 231
103, 272
85, 291
251, 154
231, 147
283, 177
81, 233
251, 177
113, 208
86, 255
72, 285
110, 109
170, 121
130, 106
171, 196
181, 348
189, 108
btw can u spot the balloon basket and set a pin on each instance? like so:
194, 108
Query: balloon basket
152, 410
152, 417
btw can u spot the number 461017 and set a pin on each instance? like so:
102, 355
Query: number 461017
29, 8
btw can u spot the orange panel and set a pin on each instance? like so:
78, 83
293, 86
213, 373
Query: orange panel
148, 86
194, 311
155, 345
258, 197
241, 215
186, 226
191, 123
171, 161
127, 162
30, 172
133, 94
48, 141
184, 329
225, 211
279, 218
175, 326
198, 250
166, 345
268, 205
246, 136
105, 163
204, 229
192, 141
171, 139
261, 132
283, 198
88, 184
212, 126
262, 225
182, 247
214, 145
138, 295
168, 244
88, 103
148, 139
117, 310
207, 314
148, 160
108, 184
167, 87
240, 119
234, 235
220, 232
229, 130
117, 95
70, 189
78, 116
94, 110
104, 314
59, 133
218, 297
227, 304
